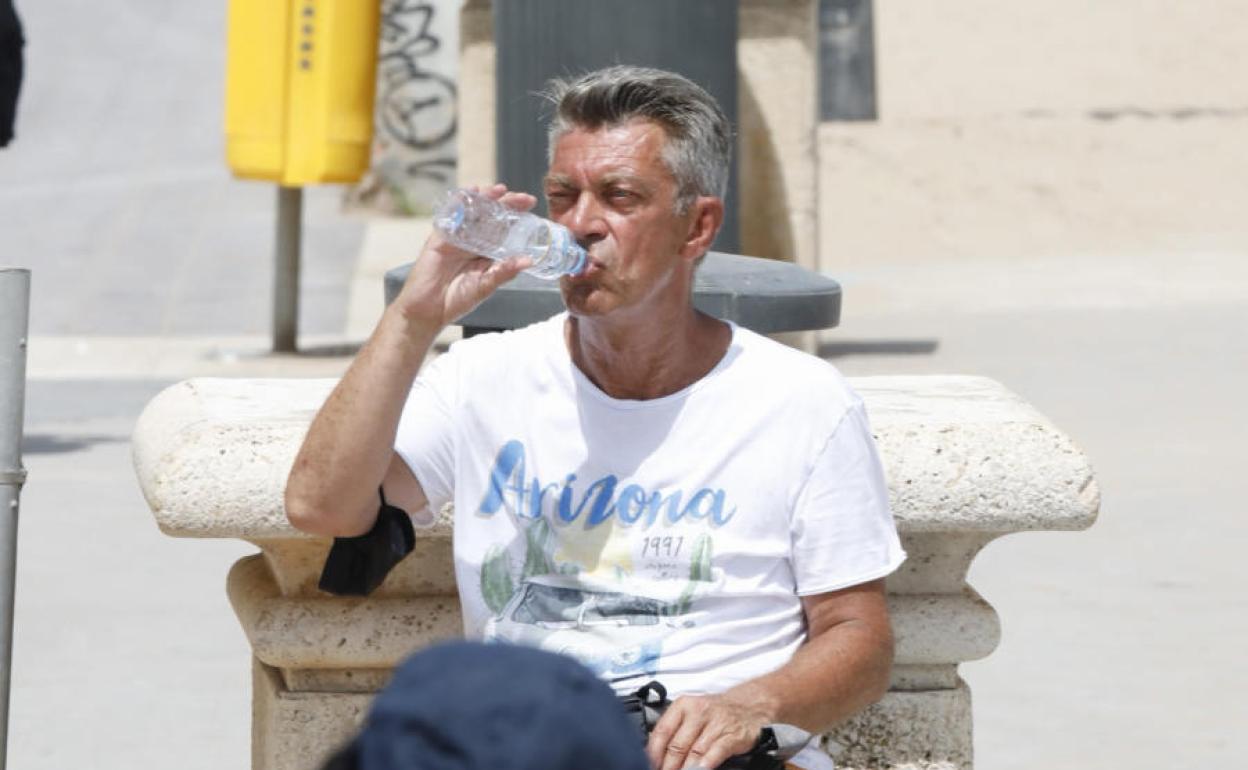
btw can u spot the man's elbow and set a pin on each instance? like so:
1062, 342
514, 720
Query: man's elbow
304, 516
882, 669
317, 516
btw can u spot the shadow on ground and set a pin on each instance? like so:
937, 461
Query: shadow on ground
50, 443
916, 347
339, 350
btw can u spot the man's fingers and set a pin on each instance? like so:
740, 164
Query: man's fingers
500, 273
711, 748
679, 752
713, 756
656, 747
487, 281
519, 201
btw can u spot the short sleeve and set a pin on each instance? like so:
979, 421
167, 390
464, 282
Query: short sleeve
426, 437
842, 528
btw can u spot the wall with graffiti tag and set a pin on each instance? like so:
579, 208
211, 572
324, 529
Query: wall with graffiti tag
414, 156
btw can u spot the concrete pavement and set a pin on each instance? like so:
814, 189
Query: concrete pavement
149, 263
1121, 645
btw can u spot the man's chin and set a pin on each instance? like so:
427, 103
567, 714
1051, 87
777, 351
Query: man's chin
585, 300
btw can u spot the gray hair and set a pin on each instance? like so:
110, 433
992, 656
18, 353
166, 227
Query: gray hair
699, 140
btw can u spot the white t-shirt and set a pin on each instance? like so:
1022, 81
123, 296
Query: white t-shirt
665, 539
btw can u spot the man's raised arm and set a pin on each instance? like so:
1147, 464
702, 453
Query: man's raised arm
349, 450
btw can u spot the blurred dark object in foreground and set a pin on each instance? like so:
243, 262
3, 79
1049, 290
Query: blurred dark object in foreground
473, 706
11, 43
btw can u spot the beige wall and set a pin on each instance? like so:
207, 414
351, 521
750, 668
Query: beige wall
778, 59
1021, 130
982, 57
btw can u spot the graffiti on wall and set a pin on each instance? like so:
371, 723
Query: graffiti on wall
415, 123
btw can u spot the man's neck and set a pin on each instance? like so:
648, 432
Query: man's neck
647, 360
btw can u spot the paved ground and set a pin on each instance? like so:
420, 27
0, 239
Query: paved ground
1122, 644
116, 189
149, 263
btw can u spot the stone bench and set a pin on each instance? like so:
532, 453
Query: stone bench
967, 461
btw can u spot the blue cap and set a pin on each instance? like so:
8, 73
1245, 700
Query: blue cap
471, 706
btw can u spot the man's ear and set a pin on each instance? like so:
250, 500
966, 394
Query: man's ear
707, 216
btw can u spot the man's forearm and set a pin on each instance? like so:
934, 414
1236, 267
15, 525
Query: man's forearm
333, 484
841, 669
830, 678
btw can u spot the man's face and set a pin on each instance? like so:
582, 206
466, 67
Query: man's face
611, 188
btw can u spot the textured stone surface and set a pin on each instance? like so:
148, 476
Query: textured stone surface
299, 730
943, 628
929, 729
962, 454
937, 562
924, 677
333, 632
427, 571
365, 680
212, 455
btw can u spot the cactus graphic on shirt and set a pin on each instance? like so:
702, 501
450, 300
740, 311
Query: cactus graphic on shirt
699, 572
538, 547
496, 583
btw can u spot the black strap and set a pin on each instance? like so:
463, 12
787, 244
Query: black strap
647, 704
355, 566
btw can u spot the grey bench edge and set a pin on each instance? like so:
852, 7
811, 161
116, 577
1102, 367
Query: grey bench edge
788, 298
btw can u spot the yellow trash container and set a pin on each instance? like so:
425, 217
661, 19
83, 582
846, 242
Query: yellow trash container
300, 79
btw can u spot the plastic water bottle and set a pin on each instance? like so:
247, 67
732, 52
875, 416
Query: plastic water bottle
477, 223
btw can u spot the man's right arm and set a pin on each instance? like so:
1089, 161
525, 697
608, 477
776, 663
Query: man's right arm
349, 449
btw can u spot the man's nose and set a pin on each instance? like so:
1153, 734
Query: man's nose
585, 220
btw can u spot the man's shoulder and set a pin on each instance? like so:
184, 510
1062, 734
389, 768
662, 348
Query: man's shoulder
780, 369
787, 388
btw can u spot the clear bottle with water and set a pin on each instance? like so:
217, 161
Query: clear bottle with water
477, 223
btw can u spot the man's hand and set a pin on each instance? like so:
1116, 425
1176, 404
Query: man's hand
446, 282
841, 669
703, 731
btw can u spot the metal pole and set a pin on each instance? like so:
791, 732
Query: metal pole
286, 273
14, 312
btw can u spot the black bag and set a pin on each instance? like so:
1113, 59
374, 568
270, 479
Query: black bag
357, 565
